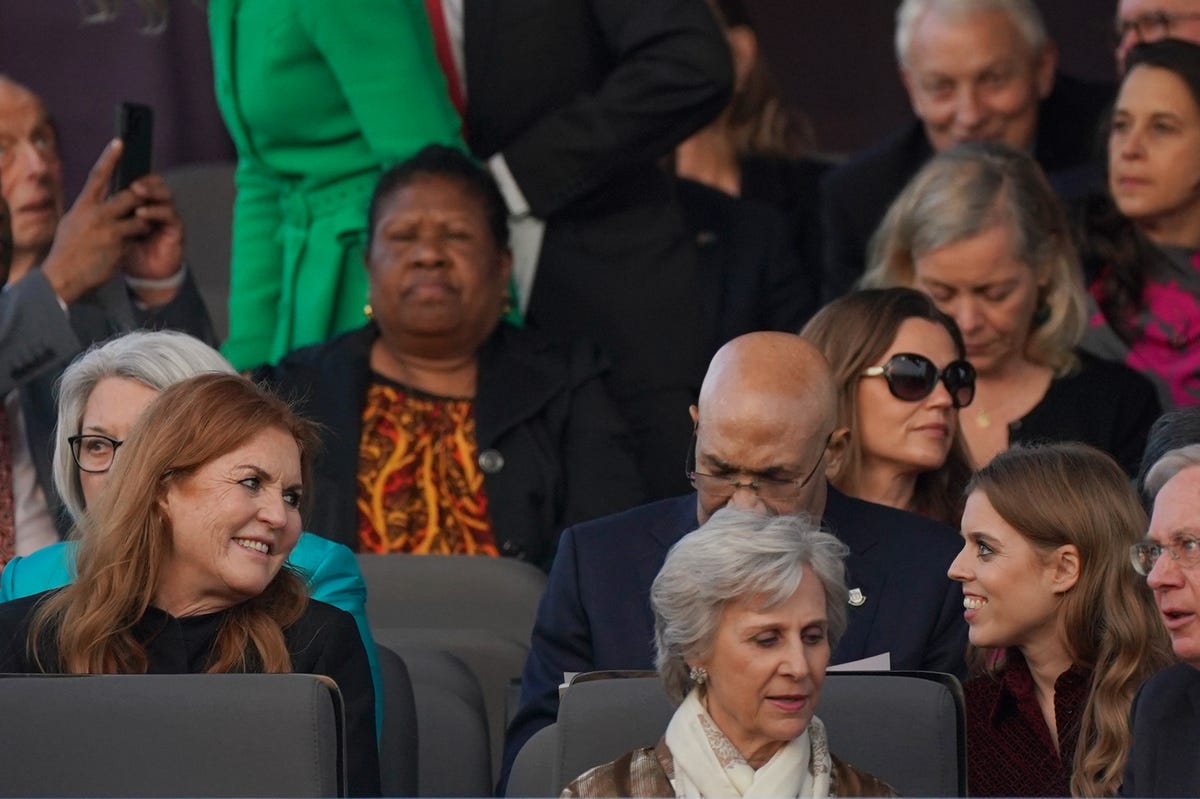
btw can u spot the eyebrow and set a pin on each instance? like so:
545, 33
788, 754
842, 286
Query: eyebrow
723, 466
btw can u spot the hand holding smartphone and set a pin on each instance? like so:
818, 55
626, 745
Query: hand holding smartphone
135, 128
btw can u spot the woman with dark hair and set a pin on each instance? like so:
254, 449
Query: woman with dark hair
905, 447
450, 431
1063, 630
1142, 241
181, 562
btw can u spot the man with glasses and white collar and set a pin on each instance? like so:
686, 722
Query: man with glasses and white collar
765, 433
1165, 718
1150, 20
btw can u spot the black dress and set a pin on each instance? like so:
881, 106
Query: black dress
323, 641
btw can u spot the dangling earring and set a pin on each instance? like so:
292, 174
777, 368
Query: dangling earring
698, 675
369, 312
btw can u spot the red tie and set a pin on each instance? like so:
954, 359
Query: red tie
445, 55
7, 526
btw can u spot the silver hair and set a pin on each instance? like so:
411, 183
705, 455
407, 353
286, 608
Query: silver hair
1170, 465
157, 359
1024, 15
737, 554
967, 190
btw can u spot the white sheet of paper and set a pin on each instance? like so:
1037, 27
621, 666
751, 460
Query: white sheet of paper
882, 662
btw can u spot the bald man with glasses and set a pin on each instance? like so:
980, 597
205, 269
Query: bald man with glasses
765, 430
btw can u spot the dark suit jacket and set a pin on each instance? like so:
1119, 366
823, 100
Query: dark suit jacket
45, 340
582, 97
1165, 720
856, 195
749, 276
562, 447
595, 613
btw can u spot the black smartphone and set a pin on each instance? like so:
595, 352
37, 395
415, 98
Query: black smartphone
135, 127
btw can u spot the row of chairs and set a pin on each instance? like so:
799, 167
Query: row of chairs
282, 734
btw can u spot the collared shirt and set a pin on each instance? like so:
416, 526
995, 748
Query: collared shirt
32, 520
1009, 748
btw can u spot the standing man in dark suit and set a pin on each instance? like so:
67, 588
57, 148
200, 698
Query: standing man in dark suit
571, 102
1165, 718
973, 71
764, 431
106, 266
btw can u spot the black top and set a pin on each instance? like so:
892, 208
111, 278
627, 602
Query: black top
1105, 404
793, 186
323, 641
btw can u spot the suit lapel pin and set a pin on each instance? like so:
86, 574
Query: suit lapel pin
857, 598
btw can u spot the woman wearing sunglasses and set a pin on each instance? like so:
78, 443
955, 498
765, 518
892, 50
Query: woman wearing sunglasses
980, 230
902, 379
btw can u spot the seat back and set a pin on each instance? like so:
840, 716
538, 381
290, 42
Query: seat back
454, 757
453, 592
398, 742
204, 195
866, 714
212, 735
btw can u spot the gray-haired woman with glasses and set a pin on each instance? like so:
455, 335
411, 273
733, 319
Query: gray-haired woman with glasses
1165, 719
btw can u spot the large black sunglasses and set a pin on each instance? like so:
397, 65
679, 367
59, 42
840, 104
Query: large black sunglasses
912, 378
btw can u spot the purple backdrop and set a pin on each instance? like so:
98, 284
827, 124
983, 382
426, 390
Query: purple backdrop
83, 71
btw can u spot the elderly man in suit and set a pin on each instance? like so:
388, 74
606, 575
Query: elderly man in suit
974, 70
108, 265
1165, 718
764, 431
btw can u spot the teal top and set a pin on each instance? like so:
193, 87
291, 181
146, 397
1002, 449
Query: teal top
330, 569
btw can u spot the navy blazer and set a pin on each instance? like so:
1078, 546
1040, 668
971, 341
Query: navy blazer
1165, 720
595, 613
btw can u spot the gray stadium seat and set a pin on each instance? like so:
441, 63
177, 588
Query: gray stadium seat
865, 713
398, 742
212, 735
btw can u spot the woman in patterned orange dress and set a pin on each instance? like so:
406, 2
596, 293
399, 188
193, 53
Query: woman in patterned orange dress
451, 432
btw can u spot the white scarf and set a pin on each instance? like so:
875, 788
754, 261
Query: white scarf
707, 765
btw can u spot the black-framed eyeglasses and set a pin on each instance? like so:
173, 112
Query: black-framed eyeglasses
1145, 554
93, 452
913, 377
1151, 26
768, 488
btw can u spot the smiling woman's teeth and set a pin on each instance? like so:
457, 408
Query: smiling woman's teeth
257, 546
973, 602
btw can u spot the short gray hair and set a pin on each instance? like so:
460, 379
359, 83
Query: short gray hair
1024, 15
1170, 465
738, 554
157, 359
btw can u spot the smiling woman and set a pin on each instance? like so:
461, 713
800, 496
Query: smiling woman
1063, 630
747, 610
181, 561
